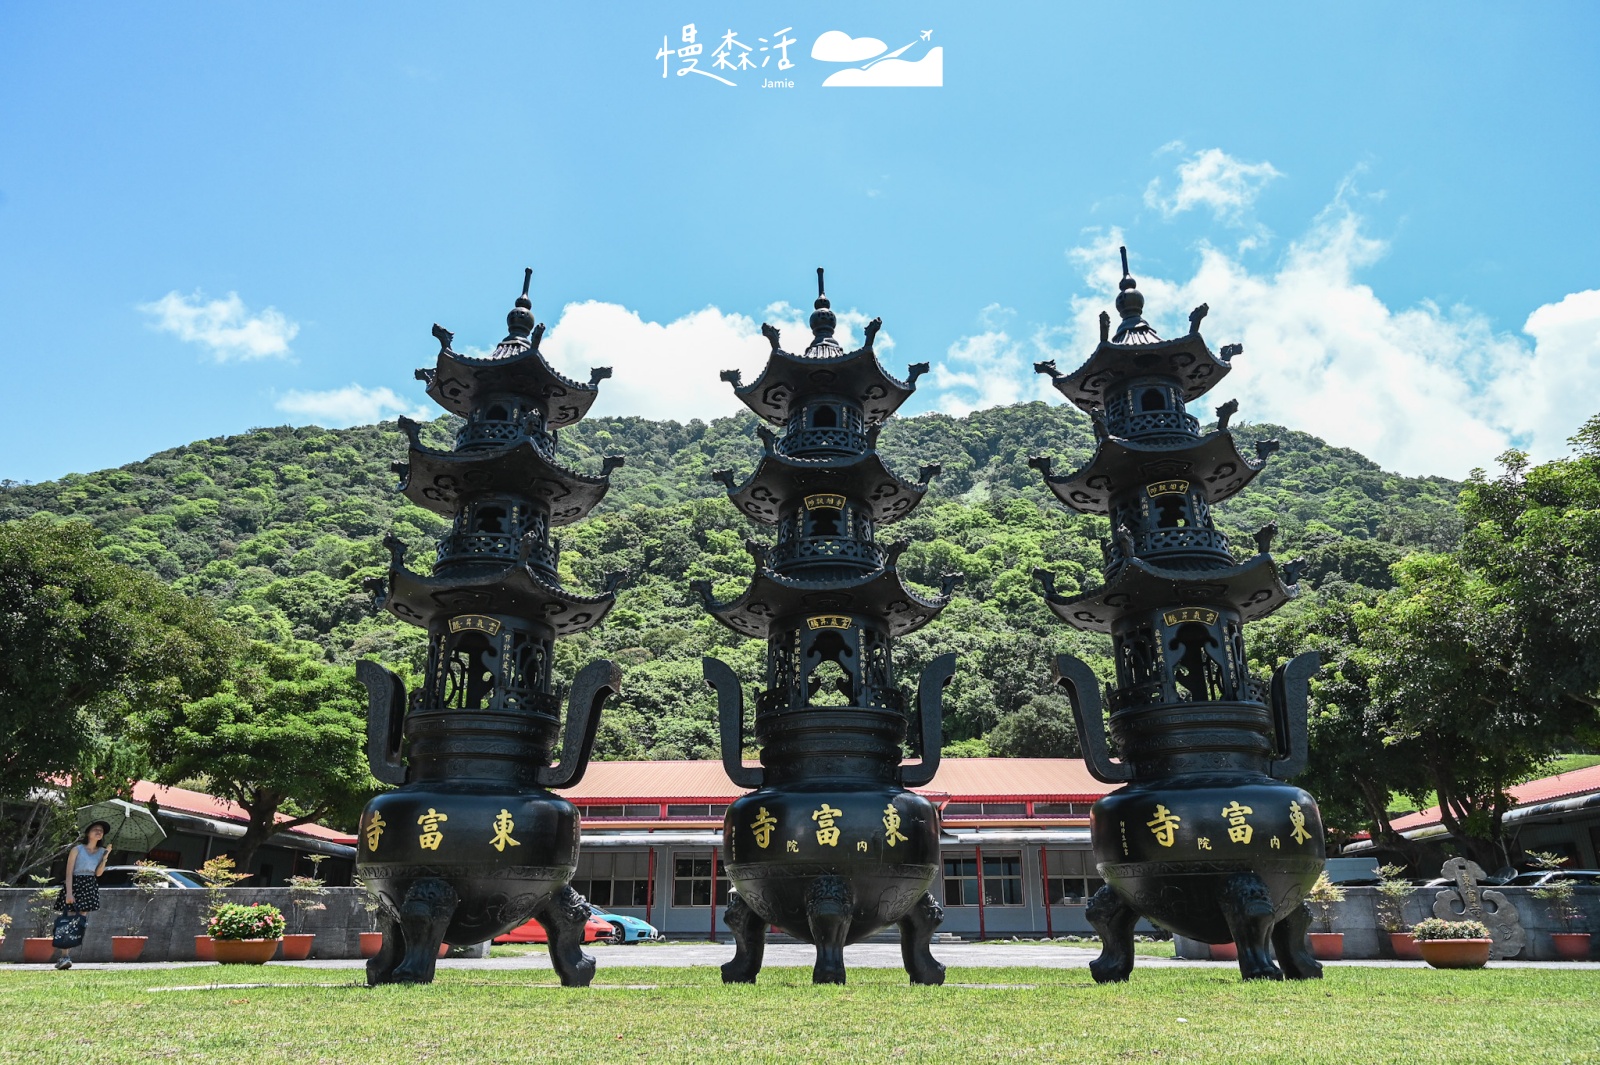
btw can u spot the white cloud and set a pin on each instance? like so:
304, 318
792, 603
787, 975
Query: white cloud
1212, 178
1422, 390
225, 326
351, 405
837, 46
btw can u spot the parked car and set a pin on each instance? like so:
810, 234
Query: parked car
532, 931
122, 876
1584, 877
626, 929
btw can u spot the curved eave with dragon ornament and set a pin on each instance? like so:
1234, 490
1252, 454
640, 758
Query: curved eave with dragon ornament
781, 479
459, 382
437, 480
771, 597
1254, 588
857, 374
1215, 464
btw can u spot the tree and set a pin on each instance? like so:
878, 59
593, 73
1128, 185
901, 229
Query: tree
284, 734
84, 644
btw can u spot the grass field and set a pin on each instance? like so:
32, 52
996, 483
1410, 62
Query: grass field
1164, 1015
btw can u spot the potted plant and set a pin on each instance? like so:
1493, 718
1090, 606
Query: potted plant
1559, 893
246, 935
1393, 891
1327, 944
147, 880
1453, 944
39, 947
5, 923
305, 896
219, 873
371, 940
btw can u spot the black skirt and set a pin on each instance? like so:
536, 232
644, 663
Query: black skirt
85, 894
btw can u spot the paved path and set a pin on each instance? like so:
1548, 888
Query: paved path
862, 955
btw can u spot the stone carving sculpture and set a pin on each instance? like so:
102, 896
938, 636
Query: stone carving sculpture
1468, 902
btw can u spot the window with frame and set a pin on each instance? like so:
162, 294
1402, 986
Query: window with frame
609, 880
691, 881
1002, 879
1071, 878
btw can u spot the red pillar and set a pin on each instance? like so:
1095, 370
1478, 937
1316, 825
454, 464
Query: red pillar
978, 851
713, 894
1044, 875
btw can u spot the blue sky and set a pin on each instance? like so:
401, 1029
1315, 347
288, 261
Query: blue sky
220, 216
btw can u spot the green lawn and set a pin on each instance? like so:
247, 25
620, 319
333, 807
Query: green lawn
1167, 1015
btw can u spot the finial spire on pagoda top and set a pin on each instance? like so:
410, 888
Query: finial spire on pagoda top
823, 320
1130, 304
519, 323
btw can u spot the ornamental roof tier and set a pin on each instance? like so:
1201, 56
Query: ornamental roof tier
516, 591
825, 368
442, 481
782, 480
458, 383
772, 597
1213, 462
1186, 359
1252, 588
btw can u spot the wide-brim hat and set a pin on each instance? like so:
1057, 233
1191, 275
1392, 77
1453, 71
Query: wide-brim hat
105, 828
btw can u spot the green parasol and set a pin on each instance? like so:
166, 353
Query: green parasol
133, 827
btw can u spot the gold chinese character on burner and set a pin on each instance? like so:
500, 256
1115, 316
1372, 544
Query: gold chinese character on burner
1297, 818
762, 827
431, 836
375, 829
827, 834
791, 846
1164, 826
891, 826
1205, 843
503, 827
1238, 830
1276, 845
862, 846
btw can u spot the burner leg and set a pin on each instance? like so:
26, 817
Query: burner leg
1293, 950
381, 966
916, 932
563, 918
425, 914
749, 930
1248, 910
1113, 919
829, 909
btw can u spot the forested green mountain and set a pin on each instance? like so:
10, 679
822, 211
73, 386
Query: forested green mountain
280, 526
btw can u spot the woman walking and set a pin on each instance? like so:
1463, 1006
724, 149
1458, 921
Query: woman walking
85, 862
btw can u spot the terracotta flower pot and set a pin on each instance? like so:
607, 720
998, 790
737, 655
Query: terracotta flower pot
245, 951
1224, 952
1405, 948
1327, 946
127, 948
371, 943
38, 949
1456, 953
1571, 946
444, 948
297, 947
204, 949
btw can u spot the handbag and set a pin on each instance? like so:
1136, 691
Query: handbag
69, 929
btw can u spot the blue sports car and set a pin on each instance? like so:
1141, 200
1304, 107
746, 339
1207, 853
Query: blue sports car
626, 929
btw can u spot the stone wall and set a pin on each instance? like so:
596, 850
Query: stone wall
173, 919
1357, 918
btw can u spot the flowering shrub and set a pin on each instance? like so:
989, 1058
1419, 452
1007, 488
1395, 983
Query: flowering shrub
5, 923
1435, 928
233, 921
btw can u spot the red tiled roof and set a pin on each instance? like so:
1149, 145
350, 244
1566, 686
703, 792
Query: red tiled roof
203, 805
962, 779
1545, 789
